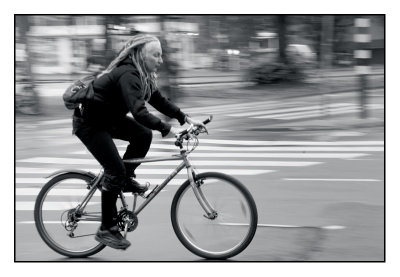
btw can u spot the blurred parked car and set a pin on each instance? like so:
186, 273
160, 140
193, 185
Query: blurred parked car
301, 53
269, 69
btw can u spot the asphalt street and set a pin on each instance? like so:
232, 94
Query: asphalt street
314, 167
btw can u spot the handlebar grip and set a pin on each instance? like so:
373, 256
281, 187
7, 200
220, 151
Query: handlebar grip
208, 120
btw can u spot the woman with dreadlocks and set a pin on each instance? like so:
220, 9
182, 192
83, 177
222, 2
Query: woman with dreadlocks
126, 84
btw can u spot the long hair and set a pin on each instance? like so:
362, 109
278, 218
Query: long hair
133, 49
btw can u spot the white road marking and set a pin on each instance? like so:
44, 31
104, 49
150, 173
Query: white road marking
58, 192
318, 114
281, 112
286, 148
44, 180
202, 148
286, 143
268, 148
303, 155
309, 113
235, 84
50, 206
174, 181
334, 111
230, 107
331, 180
54, 192
55, 121
345, 134
329, 227
52, 160
139, 171
57, 222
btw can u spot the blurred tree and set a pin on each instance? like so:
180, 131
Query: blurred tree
109, 22
343, 45
281, 23
23, 24
327, 40
169, 68
264, 23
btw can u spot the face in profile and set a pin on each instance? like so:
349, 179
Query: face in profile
152, 55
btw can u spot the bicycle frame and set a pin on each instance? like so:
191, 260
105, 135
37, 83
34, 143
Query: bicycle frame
191, 177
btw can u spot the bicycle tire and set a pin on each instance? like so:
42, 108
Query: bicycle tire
52, 208
220, 190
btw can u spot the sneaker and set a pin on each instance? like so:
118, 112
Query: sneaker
112, 238
133, 186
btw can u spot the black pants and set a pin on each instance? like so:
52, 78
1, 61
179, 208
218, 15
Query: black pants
99, 141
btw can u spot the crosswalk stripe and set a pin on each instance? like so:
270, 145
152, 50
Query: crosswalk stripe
55, 222
53, 192
53, 160
272, 155
287, 110
230, 107
303, 155
263, 149
174, 181
312, 113
317, 114
55, 121
286, 143
156, 171
50, 206
59, 192
331, 180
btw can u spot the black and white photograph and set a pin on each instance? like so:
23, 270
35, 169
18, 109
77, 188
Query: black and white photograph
200, 137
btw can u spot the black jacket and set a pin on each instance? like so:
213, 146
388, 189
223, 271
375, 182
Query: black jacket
119, 92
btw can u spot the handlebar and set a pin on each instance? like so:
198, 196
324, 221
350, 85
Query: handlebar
208, 120
192, 130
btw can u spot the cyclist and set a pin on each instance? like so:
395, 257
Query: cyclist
124, 86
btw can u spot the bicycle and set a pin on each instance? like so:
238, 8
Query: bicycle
213, 214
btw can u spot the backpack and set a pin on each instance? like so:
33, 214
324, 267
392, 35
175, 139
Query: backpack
79, 92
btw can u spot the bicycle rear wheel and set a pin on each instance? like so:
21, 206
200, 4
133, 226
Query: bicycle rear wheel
61, 226
233, 226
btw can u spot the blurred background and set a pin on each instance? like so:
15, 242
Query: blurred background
256, 49
299, 117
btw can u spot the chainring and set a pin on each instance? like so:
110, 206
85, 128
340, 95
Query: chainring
127, 217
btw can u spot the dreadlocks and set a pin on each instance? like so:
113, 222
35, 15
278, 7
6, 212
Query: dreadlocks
134, 50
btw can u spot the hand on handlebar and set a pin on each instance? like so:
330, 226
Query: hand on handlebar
194, 122
196, 127
174, 132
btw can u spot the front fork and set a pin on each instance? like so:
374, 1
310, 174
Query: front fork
211, 213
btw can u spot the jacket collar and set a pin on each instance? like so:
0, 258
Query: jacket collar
127, 60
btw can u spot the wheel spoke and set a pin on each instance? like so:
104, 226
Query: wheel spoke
224, 235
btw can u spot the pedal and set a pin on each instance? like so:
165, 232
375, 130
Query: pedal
147, 193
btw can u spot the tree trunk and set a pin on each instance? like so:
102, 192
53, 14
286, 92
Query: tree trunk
282, 38
327, 31
24, 26
109, 52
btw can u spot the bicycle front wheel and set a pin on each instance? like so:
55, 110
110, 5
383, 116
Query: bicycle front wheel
66, 221
233, 224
